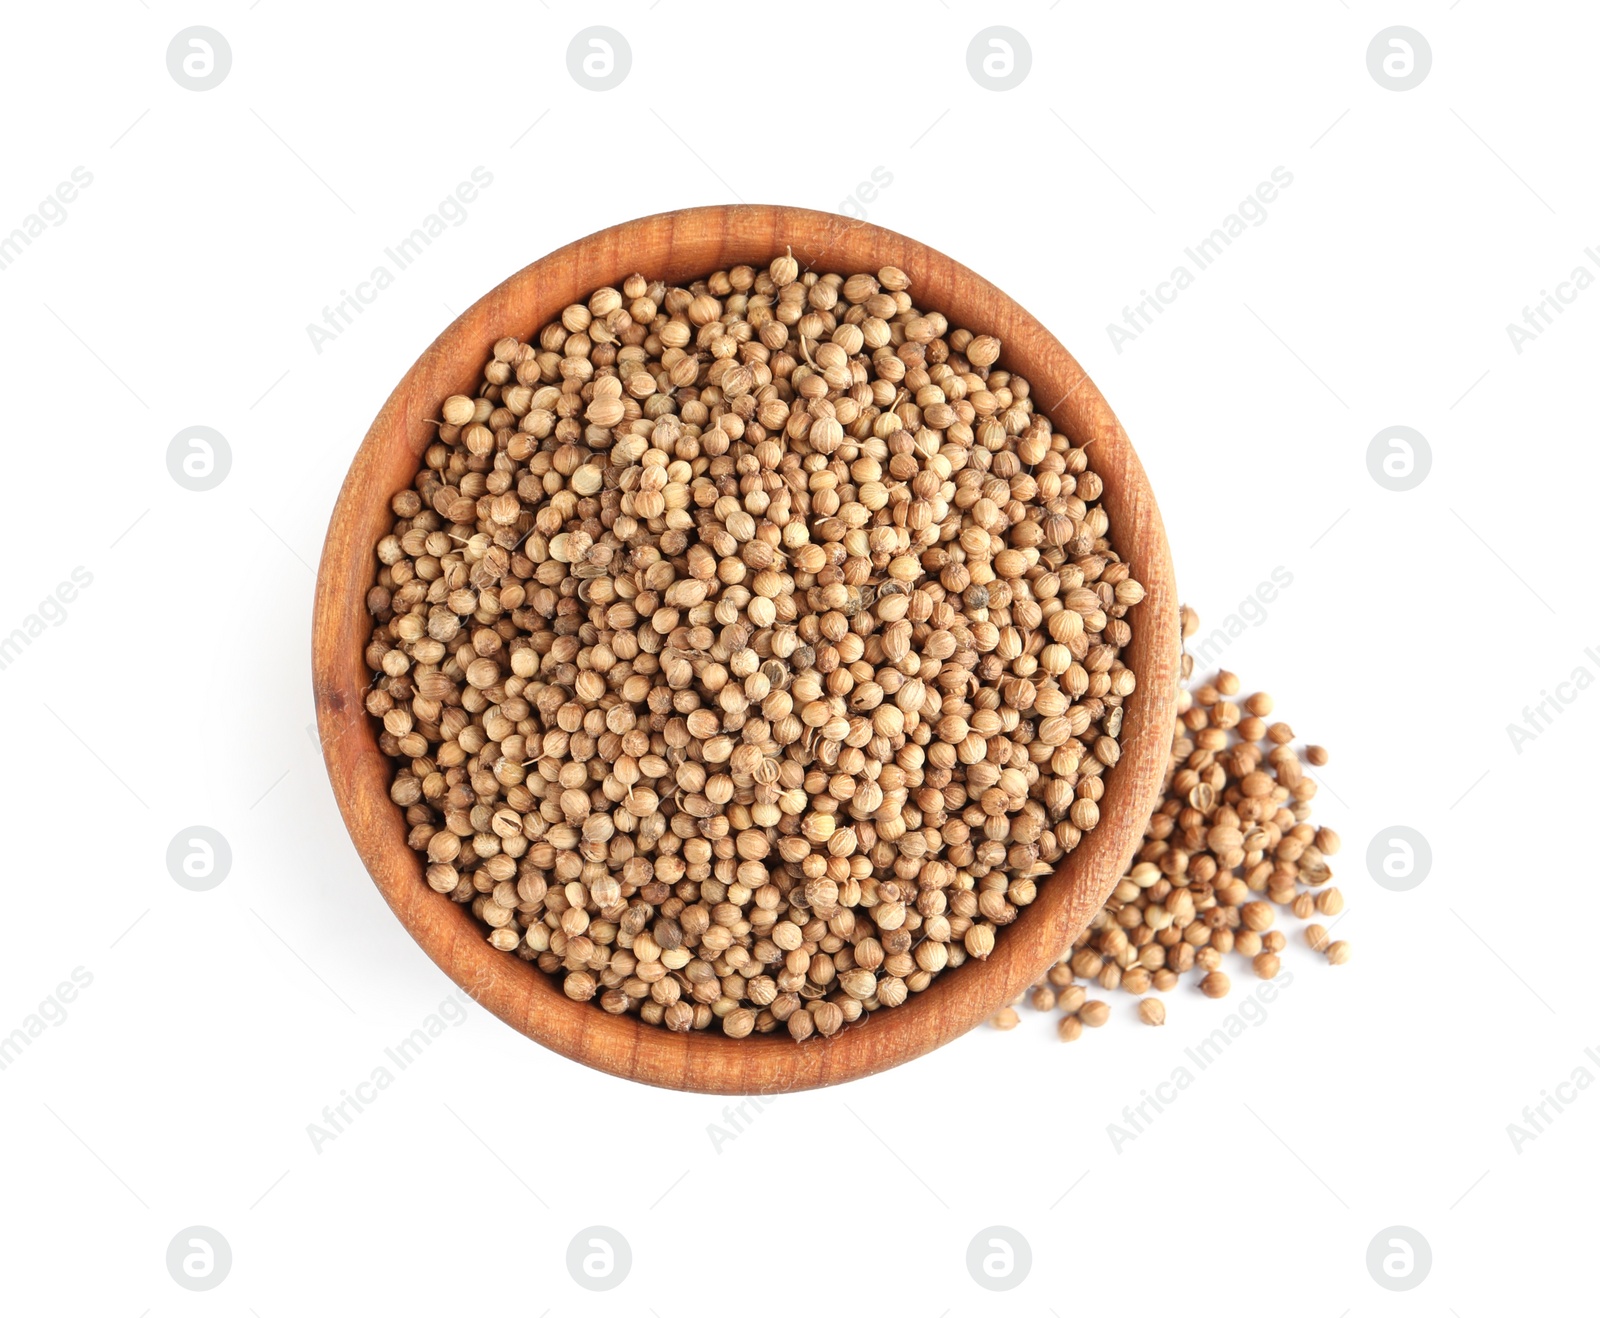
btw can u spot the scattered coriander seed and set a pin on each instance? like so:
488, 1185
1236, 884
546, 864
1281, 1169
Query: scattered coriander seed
1152, 1011
1215, 985
1006, 1019
1229, 843
749, 651
1257, 916
1069, 1029
1094, 1013
1338, 952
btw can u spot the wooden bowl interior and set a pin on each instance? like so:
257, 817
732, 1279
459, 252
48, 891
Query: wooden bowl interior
677, 247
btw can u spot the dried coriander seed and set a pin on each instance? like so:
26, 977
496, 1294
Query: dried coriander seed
1227, 847
749, 651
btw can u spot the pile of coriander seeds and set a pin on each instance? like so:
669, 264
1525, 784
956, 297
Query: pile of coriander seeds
749, 651
1229, 847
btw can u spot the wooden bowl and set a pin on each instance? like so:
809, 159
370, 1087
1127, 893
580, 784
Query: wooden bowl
681, 246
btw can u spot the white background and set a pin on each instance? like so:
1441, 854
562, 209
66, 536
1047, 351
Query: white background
177, 292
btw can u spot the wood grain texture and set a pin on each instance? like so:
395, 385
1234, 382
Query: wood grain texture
681, 246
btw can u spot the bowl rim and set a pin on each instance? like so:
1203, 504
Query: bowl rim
677, 246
